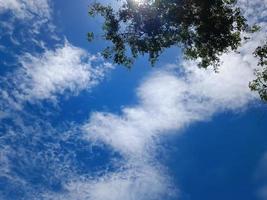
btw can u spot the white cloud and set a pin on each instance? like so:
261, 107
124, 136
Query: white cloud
255, 11
26, 9
168, 102
143, 184
25, 23
64, 71
67, 70
173, 98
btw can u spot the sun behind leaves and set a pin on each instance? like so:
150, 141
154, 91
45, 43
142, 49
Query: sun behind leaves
202, 29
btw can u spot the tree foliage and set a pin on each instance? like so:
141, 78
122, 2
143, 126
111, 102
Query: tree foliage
260, 83
204, 29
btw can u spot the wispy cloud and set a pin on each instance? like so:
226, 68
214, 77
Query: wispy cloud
42, 73
146, 183
255, 11
23, 24
27, 9
66, 71
30, 13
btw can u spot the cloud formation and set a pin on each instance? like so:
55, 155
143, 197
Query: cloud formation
30, 13
26, 25
171, 99
42, 73
26, 9
66, 69
255, 11
145, 183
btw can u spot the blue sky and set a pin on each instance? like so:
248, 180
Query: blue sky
74, 126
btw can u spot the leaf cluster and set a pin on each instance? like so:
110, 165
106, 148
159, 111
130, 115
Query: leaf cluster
204, 29
260, 83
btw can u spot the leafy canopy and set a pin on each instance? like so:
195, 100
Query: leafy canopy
260, 83
204, 29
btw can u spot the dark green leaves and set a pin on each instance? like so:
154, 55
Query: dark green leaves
260, 83
203, 29
90, 36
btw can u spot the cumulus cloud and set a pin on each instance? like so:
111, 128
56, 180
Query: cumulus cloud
67, 70
169, 101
